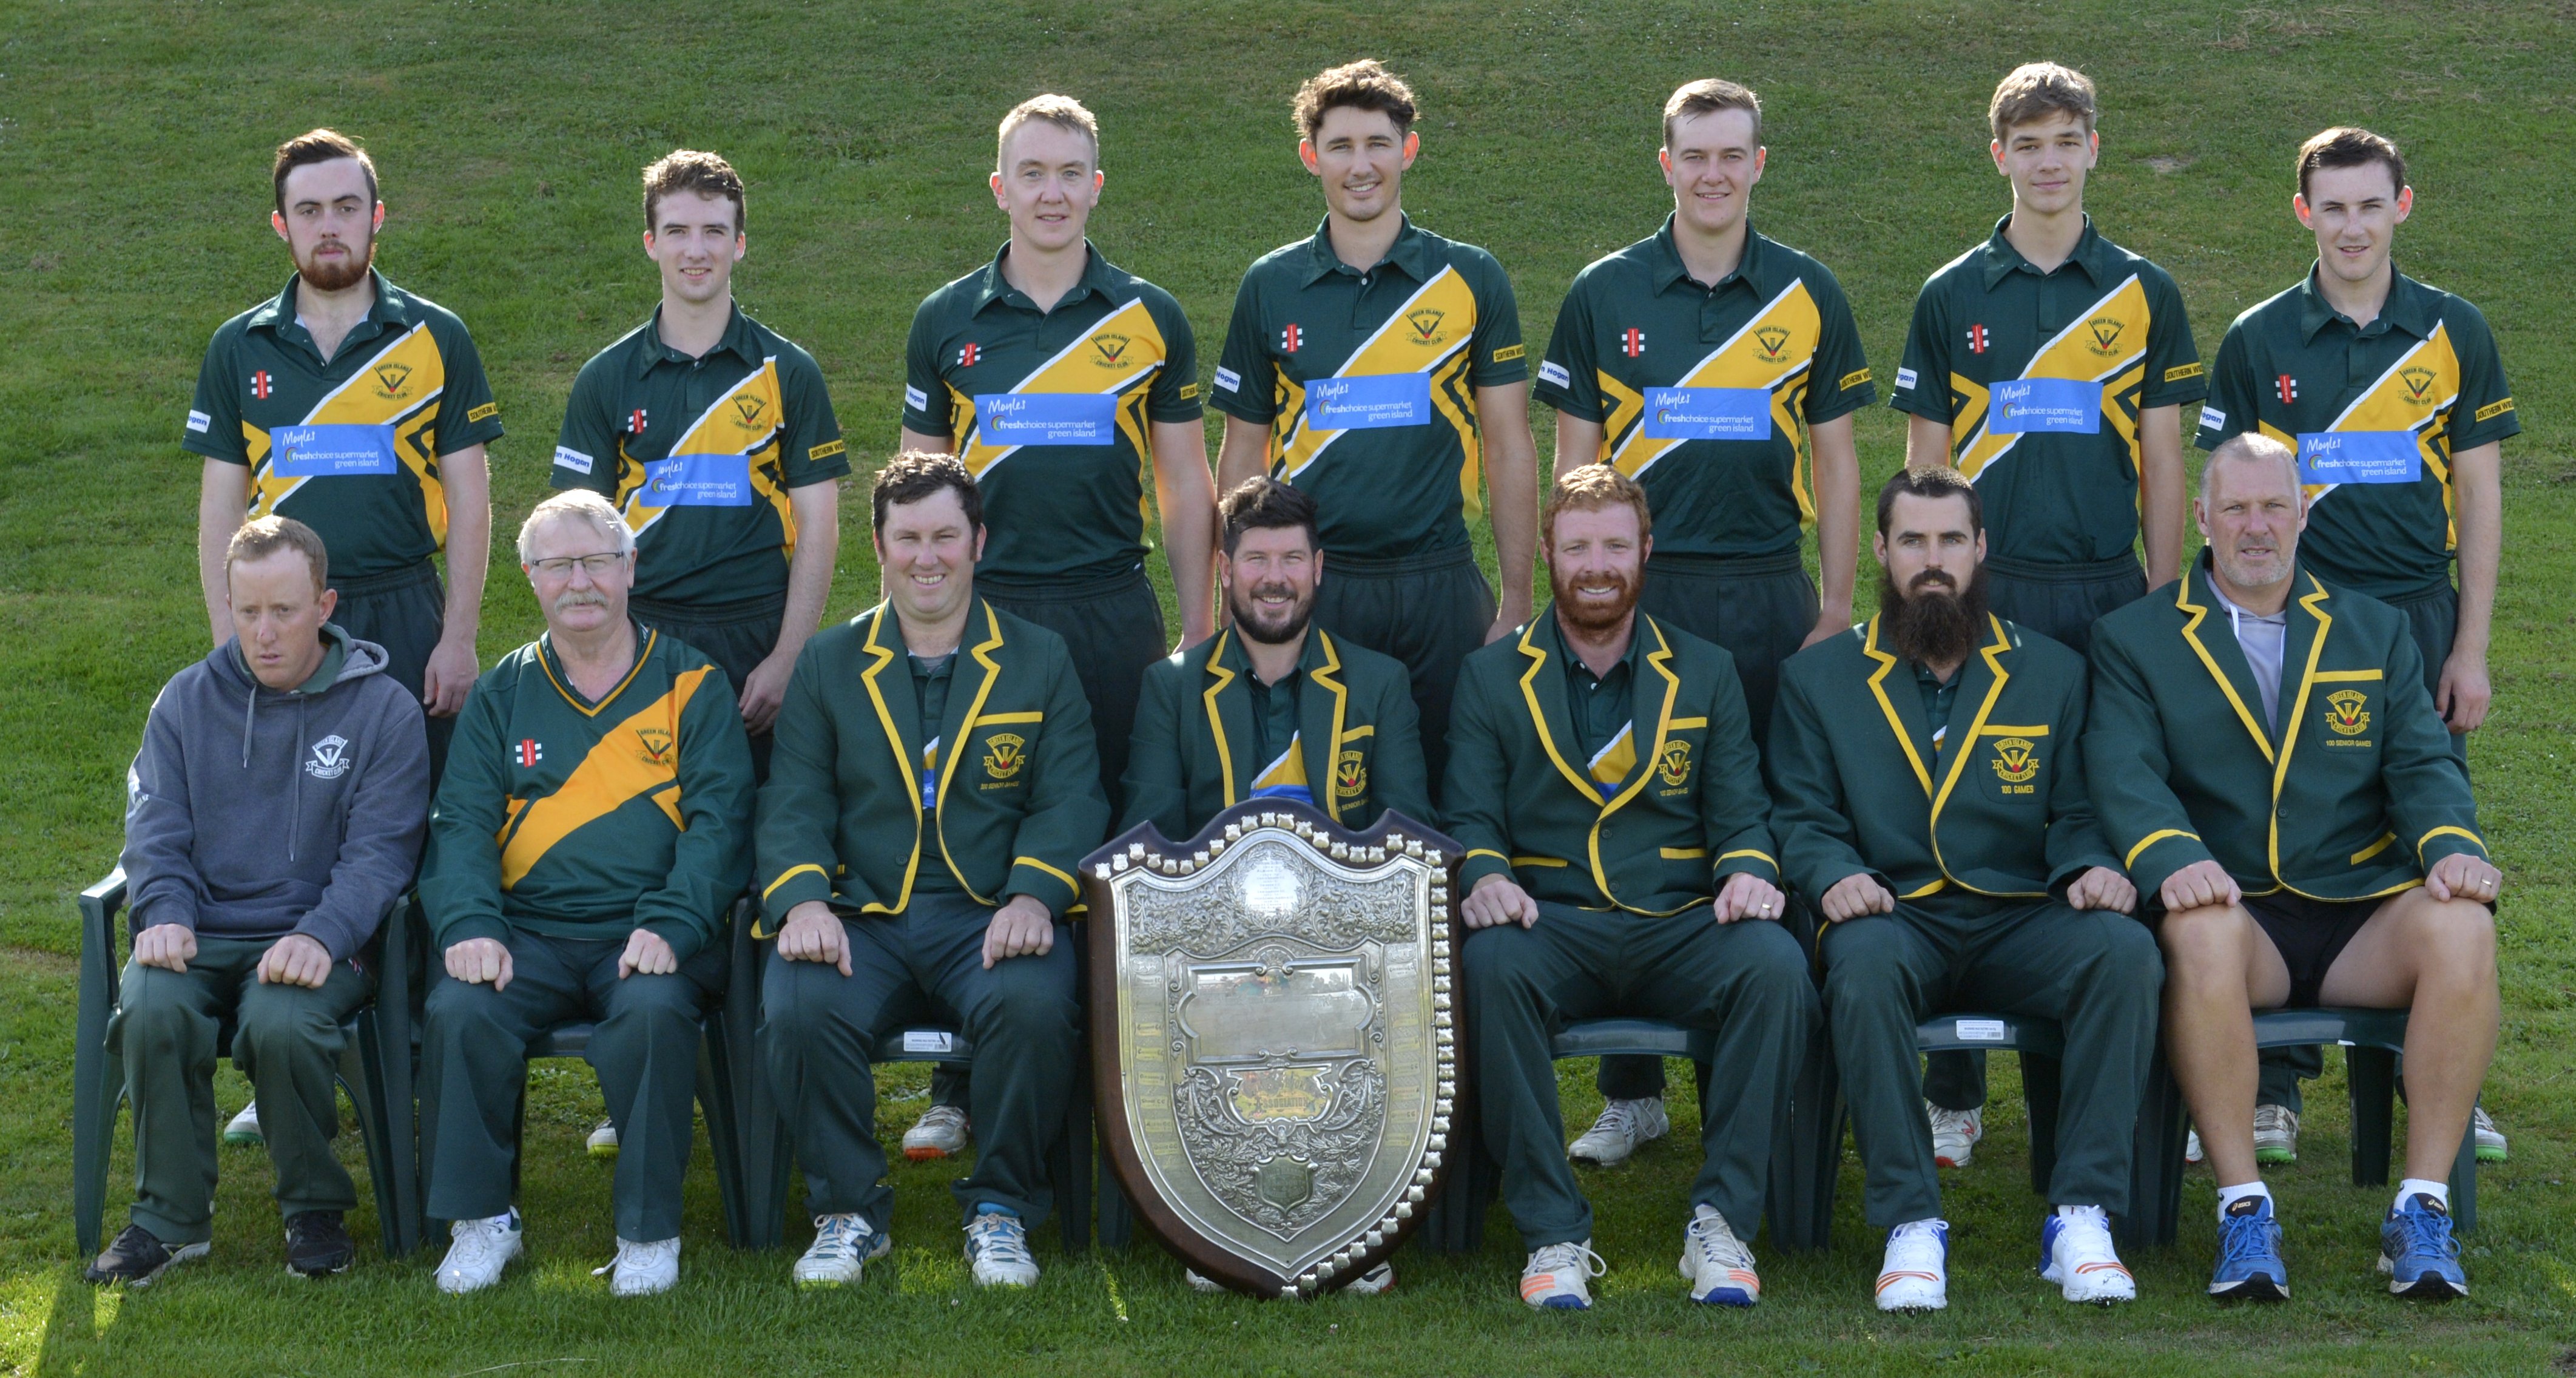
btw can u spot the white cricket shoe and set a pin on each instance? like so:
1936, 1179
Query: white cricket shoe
1955, 1134
602, 1142
1556, 1275
1374, 1282
2491, 1144
842, 1246
641, 1270
1624, 1124
943, 1131
2075, 1253
2276, 1134
998, 1247
2191, 1148
1719, 1266
1916, 1274
242, 1130
478, 1251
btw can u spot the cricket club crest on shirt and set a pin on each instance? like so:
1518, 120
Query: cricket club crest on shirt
1673, 767
2016, 763
1426, 325
392, 378
1350, 774
330, 758
1111, 348
1772, 341
655, 744
2347, 712
1004, 754
2102, 335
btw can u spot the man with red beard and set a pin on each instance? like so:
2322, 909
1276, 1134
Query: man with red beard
1933, 802
1619, 861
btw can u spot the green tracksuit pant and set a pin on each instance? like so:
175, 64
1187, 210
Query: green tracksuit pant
819, 1032
1428, 611
1746, 982
2097, 973
474, 1069
286, 1039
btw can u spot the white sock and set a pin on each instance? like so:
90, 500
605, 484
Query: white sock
2228, 1196
2439, 1191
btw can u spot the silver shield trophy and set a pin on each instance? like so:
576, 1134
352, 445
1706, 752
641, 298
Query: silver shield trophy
1275, 1037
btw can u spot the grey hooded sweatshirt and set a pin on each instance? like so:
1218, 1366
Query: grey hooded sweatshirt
254, 813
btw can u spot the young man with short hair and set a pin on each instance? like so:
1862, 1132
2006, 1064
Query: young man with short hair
591, 836
1619, 860
2051, 366
934, 791
272, 818
1380, 368
362, 411
1932, 800
1720, 369
2263, 751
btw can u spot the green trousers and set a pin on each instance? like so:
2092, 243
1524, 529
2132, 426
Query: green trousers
286, 1039
1428, 611
1114, 627
1746, 982
405, 612
819, 1032
474, 1069
2097, 973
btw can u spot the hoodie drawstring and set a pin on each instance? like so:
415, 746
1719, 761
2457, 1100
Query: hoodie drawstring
295, 772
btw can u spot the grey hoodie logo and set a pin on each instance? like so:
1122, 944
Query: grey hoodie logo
330, 758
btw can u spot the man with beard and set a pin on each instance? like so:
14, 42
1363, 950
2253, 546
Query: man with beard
1619, 861
591, 835
1932, 799
2265, 752
360, 410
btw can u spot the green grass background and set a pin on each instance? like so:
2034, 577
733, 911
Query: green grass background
134, 139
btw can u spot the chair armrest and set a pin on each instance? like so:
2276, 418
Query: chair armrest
98, 908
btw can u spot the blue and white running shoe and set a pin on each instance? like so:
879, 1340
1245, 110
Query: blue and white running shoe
2249, 1255
2418, 1252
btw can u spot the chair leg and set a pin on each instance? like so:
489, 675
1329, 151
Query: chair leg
2372, 1075
2155, 1162
1070, 1165
98, 1087
357, 1073
2041, 1079
2464, 1181
724, 1142
1804, 1168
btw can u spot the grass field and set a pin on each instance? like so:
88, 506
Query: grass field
137, 137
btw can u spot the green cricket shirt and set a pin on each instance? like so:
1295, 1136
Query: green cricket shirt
700, 454
2375, 412
1367, 382
2040, 378
579, 819
1706, 393
1050, 410
349, 445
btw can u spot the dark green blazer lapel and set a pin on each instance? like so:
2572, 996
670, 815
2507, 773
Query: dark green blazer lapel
1226, 707
1321, 712
1542, 686
1898, 704
890, 694
2213, 643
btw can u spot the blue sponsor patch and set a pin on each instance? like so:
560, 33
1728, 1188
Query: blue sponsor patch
331, 451
2359, 457
1047, 418
2068, 405
1368, 402
698, 481
1708, 414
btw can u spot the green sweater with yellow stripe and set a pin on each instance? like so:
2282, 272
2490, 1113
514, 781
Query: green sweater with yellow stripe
584, 820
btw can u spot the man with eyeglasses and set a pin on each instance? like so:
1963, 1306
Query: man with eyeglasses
594, 826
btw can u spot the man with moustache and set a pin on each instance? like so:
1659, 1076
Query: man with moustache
273, 815
1380, 367
1619, 861
933, 793
1932, 799
1720, 369
590, 837
2265, 754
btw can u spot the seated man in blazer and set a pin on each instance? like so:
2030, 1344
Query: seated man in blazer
934, 786
2265, 755
1619, 861
1932, 803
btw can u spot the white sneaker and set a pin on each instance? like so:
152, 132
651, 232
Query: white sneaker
479, 1251
842, 1246
2191, 1148
998, 1247
602, 1142
1955, 1134
1916, 1274
942, 1131
1719, 1266
1376, 1281
1555, 1277
2075, 1253
641, 1270
242, 1131
2276, 1134
2491, 1145
1623, 1125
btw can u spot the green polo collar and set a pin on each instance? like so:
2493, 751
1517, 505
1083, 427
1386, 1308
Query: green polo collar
991, 286
2092, 254
1551, 637
2409, 308
1411, 252
738, 340
277, 314
1753, 269
1234, 655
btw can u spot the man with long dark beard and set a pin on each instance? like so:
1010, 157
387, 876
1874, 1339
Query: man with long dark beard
1619, 861
1932, 798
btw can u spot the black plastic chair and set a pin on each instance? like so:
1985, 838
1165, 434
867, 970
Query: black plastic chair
2372, 1041
379, 1085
